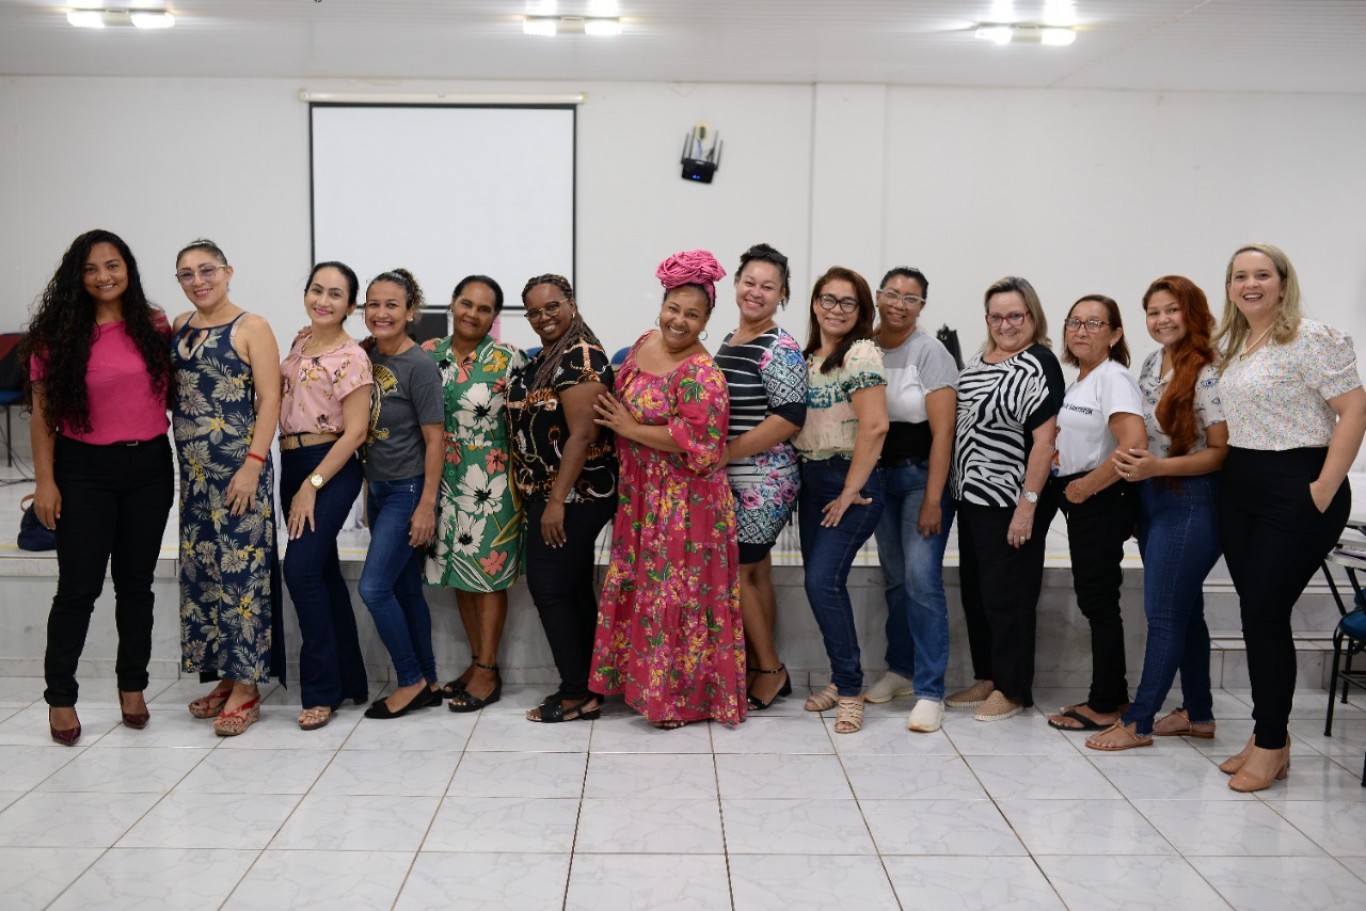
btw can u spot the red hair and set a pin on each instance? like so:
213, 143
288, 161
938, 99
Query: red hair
1176, 412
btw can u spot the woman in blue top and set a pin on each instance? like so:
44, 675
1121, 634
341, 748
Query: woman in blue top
403, 457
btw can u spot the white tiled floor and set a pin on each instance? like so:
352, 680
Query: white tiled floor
488, 811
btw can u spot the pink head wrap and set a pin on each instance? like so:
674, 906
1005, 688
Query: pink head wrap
691, 267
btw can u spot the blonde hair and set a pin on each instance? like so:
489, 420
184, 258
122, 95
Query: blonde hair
1023, 288
1233, 328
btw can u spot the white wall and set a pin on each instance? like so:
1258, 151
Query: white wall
1079, 191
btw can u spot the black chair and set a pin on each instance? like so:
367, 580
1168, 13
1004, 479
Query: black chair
1349, 637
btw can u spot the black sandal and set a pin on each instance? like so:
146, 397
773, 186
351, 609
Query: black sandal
554, 712
784, 690
472, 703
457, 686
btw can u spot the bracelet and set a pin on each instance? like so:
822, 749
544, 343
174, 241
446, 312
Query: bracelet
259, 458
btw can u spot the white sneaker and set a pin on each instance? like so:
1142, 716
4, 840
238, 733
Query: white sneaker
888, 688
926, 717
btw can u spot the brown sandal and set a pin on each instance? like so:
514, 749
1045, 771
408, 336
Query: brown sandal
823, 701
1128, 741
1187, 727
849, 716
314, 718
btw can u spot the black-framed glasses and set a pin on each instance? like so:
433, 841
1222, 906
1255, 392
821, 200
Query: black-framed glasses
549, 311
205, 272
906, 300
1092, 325
1015, 319
830, 302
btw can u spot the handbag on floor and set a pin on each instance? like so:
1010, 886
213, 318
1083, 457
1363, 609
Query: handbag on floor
33, 535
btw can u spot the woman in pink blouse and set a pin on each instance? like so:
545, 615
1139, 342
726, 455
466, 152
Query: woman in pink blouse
99, 370
1296, 411
324, 414
669, 630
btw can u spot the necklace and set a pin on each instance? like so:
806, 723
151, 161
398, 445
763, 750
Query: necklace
1250, 348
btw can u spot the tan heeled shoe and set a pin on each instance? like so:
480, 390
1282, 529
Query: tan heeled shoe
1245, 781
1235, 762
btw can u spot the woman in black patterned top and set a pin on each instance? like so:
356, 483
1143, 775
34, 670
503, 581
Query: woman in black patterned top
1008, 401
567, 472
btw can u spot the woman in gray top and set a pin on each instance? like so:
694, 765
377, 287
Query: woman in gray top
403, 457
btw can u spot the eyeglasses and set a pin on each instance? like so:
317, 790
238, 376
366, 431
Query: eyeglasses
1017, 318
906, 300
187, 276
830, 302
1092, 325
549, 311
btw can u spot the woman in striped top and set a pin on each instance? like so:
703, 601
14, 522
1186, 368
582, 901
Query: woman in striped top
1008, 401
766, 377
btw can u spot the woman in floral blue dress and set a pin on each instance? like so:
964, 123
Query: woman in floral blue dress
479, 524
227, 379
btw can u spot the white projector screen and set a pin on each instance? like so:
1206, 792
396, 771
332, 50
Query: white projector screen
446, 192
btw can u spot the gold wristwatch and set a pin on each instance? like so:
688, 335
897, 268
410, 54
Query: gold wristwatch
316, 480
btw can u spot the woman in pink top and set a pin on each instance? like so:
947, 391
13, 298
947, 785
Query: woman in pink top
99, 374
324, 414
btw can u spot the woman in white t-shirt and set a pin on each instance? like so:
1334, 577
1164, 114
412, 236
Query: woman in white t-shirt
1102, 413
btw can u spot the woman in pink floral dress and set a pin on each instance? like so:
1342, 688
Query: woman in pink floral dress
669, 634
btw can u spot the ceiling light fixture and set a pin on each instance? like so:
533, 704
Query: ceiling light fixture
1001, 33
598, 26
120, 18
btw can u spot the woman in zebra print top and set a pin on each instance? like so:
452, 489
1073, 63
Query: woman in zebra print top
1008, 401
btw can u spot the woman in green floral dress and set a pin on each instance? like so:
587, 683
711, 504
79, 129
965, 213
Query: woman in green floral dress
479, 523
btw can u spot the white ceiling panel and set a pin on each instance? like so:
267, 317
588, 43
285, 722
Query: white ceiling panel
1162, 45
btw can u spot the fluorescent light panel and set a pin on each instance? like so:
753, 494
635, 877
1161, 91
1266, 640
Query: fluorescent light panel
120, 18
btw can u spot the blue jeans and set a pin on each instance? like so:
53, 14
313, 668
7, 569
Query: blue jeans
331, 668
1178, 535
913, 566
391, 582
828, 554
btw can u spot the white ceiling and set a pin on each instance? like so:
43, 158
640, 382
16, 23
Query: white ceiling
1151, 45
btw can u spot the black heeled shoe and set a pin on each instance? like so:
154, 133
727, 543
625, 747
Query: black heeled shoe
785, 690
468, 702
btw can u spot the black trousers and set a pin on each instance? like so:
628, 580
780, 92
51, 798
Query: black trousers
563, 585
1096, 532
1000, 586
115, 503
1275, 539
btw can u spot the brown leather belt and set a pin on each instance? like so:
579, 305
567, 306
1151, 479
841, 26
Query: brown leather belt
299, 440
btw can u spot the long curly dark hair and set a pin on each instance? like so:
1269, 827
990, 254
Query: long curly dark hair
62, 331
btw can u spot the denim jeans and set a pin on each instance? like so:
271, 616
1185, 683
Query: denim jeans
391, 582
828, 554
115, 503
913, 566
1178, 535
331, 667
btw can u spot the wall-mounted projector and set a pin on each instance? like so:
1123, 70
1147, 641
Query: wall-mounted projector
700, 164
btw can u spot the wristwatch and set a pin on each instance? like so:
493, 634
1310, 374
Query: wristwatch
317, 481
1029, 496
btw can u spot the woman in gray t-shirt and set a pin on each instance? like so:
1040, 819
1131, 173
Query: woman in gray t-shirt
403, 456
